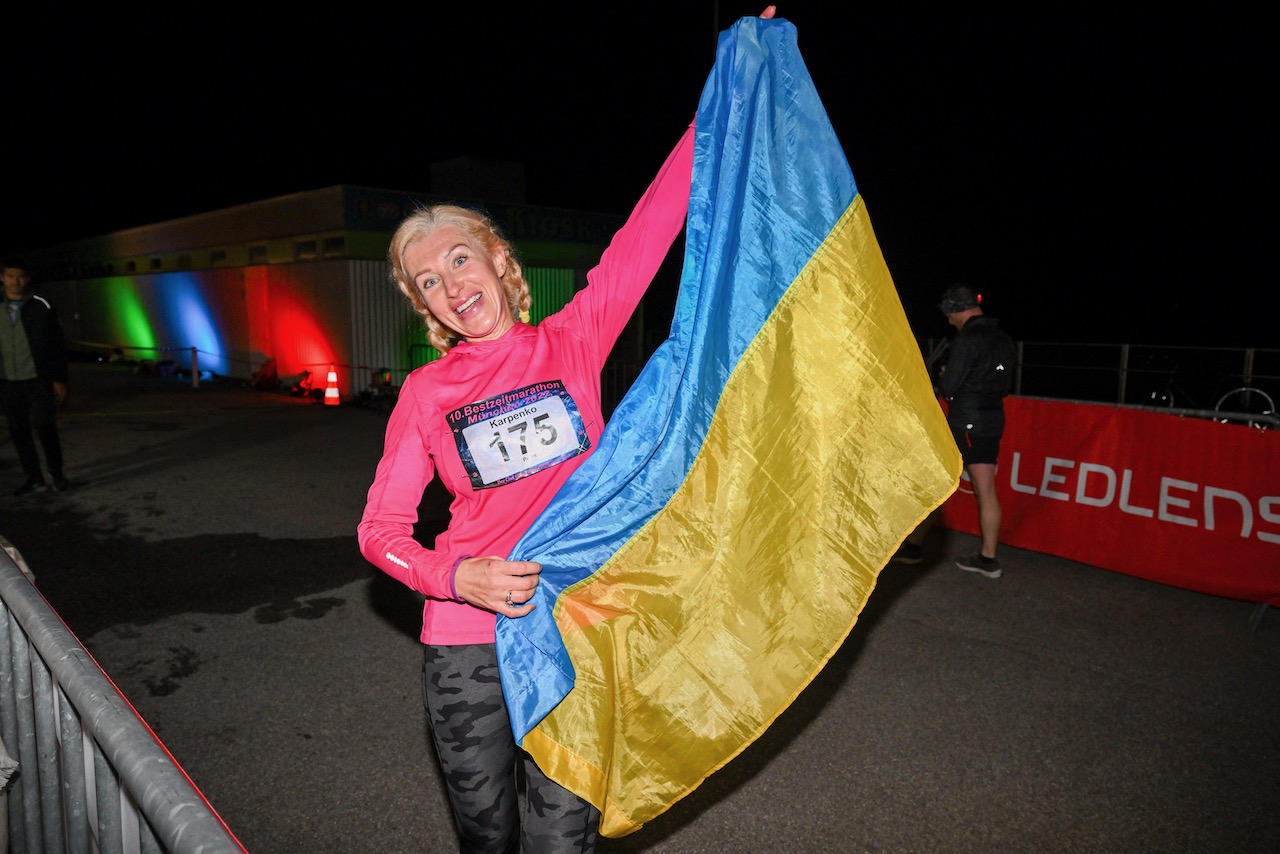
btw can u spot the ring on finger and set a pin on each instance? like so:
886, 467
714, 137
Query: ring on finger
509, 597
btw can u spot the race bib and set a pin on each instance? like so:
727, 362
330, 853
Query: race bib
513, 435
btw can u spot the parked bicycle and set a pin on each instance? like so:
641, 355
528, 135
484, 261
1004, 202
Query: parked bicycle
1247, 405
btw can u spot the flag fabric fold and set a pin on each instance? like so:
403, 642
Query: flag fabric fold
715, 551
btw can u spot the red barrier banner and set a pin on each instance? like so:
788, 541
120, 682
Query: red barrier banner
1189, 502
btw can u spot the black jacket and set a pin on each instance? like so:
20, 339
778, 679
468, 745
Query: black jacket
45, 337
979, 374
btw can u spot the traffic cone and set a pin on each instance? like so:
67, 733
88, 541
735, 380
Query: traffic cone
331, 388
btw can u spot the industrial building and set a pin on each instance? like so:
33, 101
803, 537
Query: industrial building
302, 279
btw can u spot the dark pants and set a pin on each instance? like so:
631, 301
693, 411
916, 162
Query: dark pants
30, 410
478, 755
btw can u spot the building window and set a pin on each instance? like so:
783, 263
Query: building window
156, 263
304, 250
217, 257
258, 254
131, 266
335, 246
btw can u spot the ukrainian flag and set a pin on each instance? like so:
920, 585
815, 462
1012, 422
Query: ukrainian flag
714, 552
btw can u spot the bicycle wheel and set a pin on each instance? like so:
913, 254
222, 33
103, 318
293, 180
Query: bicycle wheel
1239, 404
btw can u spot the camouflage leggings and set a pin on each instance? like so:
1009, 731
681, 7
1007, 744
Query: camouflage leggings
477, 752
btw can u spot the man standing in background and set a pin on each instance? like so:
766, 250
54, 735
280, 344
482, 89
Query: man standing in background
977, 376
974, 381
33, 377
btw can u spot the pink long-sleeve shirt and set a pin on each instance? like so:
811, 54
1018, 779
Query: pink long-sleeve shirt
504, 423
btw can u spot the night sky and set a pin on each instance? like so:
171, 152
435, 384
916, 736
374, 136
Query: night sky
1098, 175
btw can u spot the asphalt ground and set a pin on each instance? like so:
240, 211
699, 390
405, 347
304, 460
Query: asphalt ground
206, 557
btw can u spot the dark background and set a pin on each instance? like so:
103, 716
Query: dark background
1098, 175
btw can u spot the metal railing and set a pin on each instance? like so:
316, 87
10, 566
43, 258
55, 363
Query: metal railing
1229, 384
91, 775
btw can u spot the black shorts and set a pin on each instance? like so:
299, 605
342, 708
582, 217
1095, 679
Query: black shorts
975, 447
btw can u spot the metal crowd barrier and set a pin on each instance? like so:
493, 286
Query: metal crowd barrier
91, 776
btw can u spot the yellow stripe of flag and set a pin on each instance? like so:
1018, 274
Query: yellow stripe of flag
826, 449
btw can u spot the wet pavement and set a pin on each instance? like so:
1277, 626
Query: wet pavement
206, 557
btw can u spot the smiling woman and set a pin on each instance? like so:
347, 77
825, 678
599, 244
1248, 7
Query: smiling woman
460, 274
502, 418
462, 284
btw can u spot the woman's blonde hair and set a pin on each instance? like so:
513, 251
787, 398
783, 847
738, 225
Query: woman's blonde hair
476, 226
